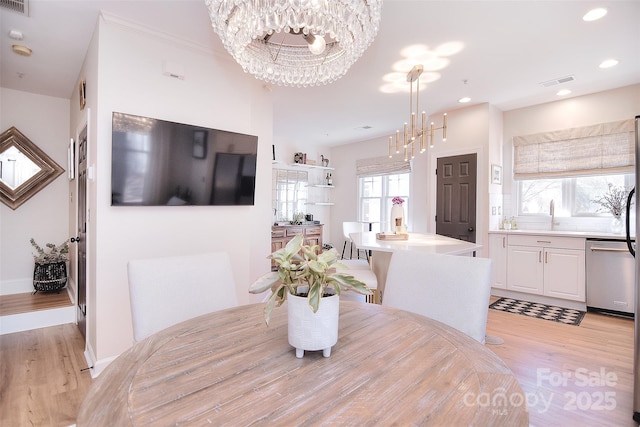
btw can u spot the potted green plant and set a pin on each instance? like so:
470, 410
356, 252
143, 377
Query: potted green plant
50, 270
305, 278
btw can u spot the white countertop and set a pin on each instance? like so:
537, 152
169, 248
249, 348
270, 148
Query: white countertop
566, 233
432, 243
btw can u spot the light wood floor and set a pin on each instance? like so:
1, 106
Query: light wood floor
23, 303
41, 383
585, 372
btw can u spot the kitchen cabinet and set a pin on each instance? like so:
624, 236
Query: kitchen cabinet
281, 234
547, 265
498, 255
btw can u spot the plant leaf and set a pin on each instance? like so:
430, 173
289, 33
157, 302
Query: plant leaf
264, 283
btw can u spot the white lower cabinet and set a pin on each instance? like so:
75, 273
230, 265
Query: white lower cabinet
525, 270
564, 274
550, 266
498, 254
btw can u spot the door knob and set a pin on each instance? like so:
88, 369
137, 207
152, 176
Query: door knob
470, 229
75, 239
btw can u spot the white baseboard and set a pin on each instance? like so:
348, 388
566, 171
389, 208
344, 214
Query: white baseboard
37, 319
96, 366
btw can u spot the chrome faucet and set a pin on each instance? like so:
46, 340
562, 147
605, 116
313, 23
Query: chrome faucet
552, 212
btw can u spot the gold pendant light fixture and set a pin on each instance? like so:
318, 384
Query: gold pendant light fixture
413, 135
295, 42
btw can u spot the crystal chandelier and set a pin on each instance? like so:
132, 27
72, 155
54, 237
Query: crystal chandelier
295, 42
412, 135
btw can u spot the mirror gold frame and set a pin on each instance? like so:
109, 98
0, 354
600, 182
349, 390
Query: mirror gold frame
49, 169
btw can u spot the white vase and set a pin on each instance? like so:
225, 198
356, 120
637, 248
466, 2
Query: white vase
313, 331
617, 224
397, 212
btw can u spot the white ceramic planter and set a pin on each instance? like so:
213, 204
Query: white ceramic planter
313, 331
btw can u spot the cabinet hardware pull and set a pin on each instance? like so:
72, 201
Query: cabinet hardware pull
600, 249
546, 257
543, 241
504, 242
539, 256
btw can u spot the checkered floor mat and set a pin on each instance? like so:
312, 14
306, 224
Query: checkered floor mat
540, 311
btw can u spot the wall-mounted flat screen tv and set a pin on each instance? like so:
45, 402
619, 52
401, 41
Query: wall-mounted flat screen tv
161, 163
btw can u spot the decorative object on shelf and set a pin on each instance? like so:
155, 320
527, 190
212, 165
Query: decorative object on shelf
302, 272
298, 217
329, 178
411, 133
614, 201
298, 158
325, 161
397, 215
296, 43
50, 271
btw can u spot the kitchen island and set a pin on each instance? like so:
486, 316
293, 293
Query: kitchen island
381, 250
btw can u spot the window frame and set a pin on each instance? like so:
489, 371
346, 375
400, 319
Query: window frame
385, 197
568, 190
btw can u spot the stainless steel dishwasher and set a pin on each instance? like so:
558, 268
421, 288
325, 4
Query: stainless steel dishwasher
610, 276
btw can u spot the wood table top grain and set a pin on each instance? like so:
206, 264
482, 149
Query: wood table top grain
388, 367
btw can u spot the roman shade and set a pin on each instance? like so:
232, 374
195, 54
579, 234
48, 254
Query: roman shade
381, 166
597, 149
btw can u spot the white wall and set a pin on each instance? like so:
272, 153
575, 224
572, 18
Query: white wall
608, 106
44, 120
124, 73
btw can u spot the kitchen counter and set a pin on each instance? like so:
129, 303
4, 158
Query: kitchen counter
564, 233
432, 243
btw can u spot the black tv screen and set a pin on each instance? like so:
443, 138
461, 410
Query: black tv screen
161, 163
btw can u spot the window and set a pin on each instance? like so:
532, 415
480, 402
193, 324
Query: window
571, 196
375, 194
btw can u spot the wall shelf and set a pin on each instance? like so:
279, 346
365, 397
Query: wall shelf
306, 166
323, 186
321, 203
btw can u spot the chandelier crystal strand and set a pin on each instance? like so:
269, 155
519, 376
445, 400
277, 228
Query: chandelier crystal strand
411, 132
274, 39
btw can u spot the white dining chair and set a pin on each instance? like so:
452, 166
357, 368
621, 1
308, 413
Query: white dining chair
454, 290
349, 227
361, 270
168, 290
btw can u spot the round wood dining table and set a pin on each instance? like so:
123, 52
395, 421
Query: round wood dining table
389, 367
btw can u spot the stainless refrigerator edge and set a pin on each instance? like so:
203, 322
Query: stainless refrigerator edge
636, 344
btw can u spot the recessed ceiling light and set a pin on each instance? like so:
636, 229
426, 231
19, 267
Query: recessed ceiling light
464, 100
609, 63
21, 50
563, 92
594, 14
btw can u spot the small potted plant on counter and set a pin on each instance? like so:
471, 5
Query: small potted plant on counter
50, 271
312, 287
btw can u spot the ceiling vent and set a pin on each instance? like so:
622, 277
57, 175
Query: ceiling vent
558, 81
19, 6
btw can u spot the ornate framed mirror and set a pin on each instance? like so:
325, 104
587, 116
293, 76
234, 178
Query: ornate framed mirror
24, 168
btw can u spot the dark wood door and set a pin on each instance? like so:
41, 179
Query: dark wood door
456, 197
